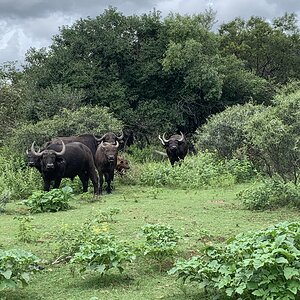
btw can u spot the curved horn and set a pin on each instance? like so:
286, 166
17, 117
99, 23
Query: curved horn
27, 152
182, 137
116, 145
63, 150
161, 139
36, 153
164, 138
100, 139
120, 137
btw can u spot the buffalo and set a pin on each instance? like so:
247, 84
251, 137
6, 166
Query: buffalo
66, 161
122, 165
176, 147
106, 161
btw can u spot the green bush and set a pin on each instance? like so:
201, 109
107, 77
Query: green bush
274, 134
52, 201
16, 267
68, 239
87, 119
16, 181
254, 265
102, 253
161, 241
270, 194
225, 132
198, 171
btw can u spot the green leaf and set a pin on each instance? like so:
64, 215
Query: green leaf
7, 274
290, 272
25, 276
100, 269
281, 260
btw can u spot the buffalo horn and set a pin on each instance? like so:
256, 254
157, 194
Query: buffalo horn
100, 139
34, 152
120, 137
182, 137
63, 150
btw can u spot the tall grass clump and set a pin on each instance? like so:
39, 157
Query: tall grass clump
202, 170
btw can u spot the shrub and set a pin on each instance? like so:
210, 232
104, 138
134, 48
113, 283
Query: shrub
254, 265
16, 267
161, 241
274, 134
198, 171
16, 182
225, 132
270, 194
52, 201
86, 119
102, 253
68, 239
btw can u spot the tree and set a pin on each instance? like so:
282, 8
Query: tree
269, 50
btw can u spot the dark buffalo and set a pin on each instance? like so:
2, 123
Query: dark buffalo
106, 161
122, 165
176, 147
66, 161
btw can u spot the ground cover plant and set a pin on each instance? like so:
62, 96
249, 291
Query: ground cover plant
253, 265
200, 217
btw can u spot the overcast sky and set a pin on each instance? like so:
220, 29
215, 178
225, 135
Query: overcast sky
32, 23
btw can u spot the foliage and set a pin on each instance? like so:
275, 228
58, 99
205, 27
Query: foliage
274, 136
254, 265
16, 267
161, 241
154, 74
102, 253
26, 233
16, 181
198, 171
268, 49
68, 239
52, 201
88, 119
50, 101
270, 194
225, 132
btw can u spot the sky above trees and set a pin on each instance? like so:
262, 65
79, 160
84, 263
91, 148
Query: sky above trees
32, 23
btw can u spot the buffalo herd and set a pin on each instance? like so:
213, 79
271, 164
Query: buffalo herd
85, 155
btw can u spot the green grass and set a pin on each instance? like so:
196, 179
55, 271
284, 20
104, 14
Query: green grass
199, 216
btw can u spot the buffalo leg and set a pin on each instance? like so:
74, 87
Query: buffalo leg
84, 178
57, 182
94, 178
46, 185
108, 181
100, 182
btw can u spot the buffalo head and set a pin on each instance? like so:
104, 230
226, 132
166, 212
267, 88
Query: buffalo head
110, 150
48, 156
173, 142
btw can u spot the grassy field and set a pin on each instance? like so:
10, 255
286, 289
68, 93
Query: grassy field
199, 216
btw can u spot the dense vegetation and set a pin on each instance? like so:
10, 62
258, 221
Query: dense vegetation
235, 94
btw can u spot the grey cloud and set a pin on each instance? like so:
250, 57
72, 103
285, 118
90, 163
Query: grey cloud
40, 8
